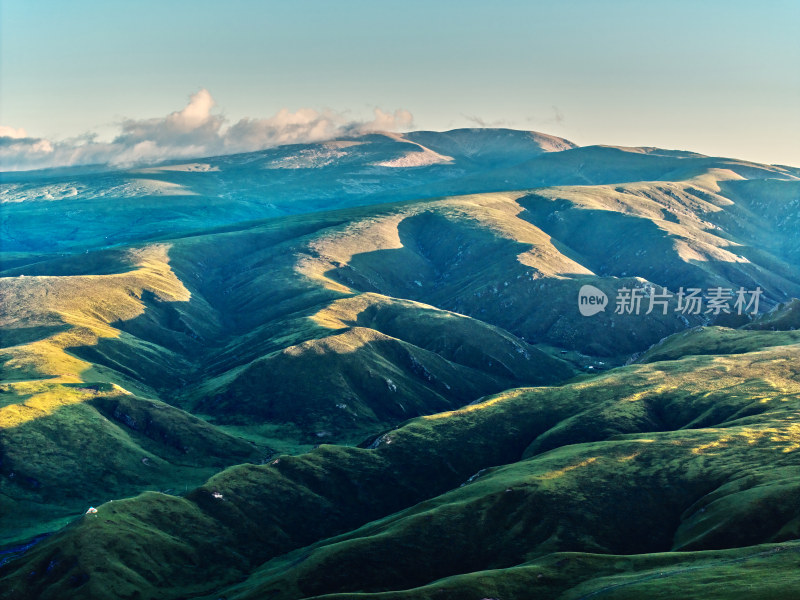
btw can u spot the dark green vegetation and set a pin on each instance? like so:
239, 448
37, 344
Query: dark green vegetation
691, 455
479, 438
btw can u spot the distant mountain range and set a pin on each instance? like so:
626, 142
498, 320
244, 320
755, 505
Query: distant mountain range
359, 369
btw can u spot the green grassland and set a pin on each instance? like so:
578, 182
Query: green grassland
761, 572
398, 398
683, 456
66, 447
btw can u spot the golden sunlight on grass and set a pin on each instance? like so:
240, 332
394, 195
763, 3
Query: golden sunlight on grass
340, 244
87, 305
38, 399
679, 209
480, 405
785, 438
495, 215
561, 472
341, 314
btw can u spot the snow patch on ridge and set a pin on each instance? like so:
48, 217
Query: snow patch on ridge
414, 158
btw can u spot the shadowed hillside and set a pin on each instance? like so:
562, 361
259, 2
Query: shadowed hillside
502, 484
268, 371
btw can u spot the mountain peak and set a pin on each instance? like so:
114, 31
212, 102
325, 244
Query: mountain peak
492, 145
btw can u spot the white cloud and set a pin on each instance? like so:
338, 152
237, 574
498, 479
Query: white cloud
286, 127
194, 131
10, 132
384, 121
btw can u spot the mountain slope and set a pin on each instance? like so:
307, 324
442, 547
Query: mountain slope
403, 293
98, 209
664, 462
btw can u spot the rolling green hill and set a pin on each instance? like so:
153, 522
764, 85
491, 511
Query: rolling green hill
695, 455
359, 369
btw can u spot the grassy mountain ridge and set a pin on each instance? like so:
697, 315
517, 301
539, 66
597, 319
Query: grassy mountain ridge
66, 446
122, 207
623, 431
193, 340
203, 321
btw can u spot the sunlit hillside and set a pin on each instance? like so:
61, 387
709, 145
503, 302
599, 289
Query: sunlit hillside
270, 371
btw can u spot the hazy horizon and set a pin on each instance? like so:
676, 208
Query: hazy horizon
718, 79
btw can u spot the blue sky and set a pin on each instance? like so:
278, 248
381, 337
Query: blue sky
718, 77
